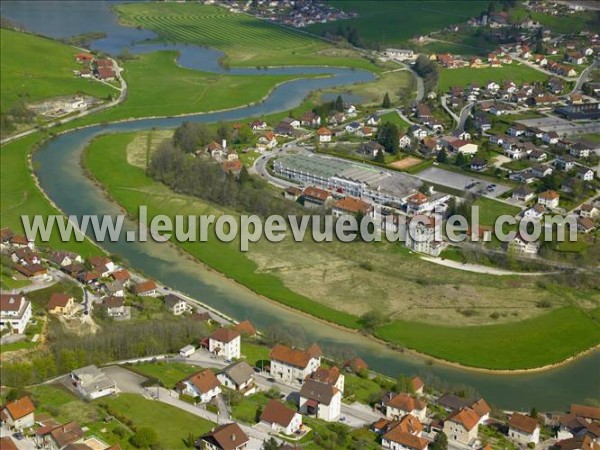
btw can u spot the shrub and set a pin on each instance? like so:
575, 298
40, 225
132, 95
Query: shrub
144, 438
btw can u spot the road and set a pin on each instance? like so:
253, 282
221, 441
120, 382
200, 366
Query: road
456, 119
583, 77
122, 96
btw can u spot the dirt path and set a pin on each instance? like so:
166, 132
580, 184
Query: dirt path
478, 268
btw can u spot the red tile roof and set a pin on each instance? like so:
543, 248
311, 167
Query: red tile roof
204, 381
465, 417
290, 356
228, 437
523, 423
588, 412
406, 402
20, 408
277, 412
224, 335
246, 328
352, 205
58, 301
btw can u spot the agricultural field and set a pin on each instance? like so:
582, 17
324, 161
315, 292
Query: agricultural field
46, 72
246, 41
392, 23
279, 271
466, 75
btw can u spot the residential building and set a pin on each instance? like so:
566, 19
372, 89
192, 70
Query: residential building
245, 328
586, 412
585, 225
523, 429
331, 376
464, 147
64, 435
397, 406
226, 343
238, 376
522, 194
584, 173
314, 197
280, 418
462, 426
404, 434
320, 400
424, 236
541, 171
15, 312
351, 206
115, 306
60, 304
588, 210
356, 365
418, 385
291, 364
176, 305
225, 437
482, 409
19, 413
520, 245
146, 288
91, 382
63, 259
204, 386
549, 199
324, 134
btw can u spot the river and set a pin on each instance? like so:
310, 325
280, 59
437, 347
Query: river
60, 175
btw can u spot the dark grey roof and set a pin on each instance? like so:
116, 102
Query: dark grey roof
320, 392
171, 300
452, 401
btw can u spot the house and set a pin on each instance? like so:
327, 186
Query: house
115, 288
425, 237
417, 203
314, 197
280, 418
585, 225
15, 312
355, 365
589, 211
245, 328
550, 137
266, 142
331, 376
19, 413
564, 163
187, 351
579, 150
336, 118
541, 171
284, 129
399, 405
115, 306
292, 193
523, 429
238, 376
320, 400
464, 147
549, 199
352, 127
482, 409
226, 343
589, 413
404, 141
536, 212
350, 206
33, 271
294, 123
371, 148
258, 125
225, 437
310, 119
516, 130
20, 241
417, 385
291, 364
176, 305
63, 436
365, 132
522, 194
522, 246
373, 120
584, 173
63, 259
478, 164
537, 155
25, 257
121, 275
60, 304
146, 288
419, 132
399, 438
203, 386
91, 382
324, 134
451, 402
462, 426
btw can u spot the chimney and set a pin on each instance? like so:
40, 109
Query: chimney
224, 144
233, 437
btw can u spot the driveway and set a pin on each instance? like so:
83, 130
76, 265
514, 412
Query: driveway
127, 381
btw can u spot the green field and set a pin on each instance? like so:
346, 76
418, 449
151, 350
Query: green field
466, 75
343, 287
395, 118
391, 23
527, 344
247, 41
490, 210
46, 71
168, 373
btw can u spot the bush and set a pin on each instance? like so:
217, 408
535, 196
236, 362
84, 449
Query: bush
495, 315
544, 304
119, 431
144, 438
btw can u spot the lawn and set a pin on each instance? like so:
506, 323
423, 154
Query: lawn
246, 40
172, 425
46, 72
535, 342
63, 405
249, 408
466, 75
360, 389
168, 373
395, 118
255, 353
392, 23
490, 210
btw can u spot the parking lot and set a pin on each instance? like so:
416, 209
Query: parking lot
463, 182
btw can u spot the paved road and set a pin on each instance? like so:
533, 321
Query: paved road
444, 102
478, 268
583, 77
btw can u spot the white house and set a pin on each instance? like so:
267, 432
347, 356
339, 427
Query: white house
291, 364
280, 418
324, 134
550, 137
91, 382
404, 141
226, 343
176, 305
405, 435
523, 429
464, 147
320, 400
399, 405
549, 199
331, 376
202, 385
522, 246
225, 437
238, 376
15, 312
536, 212
584, 173
462, 426
19, 413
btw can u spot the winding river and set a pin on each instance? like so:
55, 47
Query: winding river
60, 175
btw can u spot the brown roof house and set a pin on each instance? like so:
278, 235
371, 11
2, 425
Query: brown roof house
63, 435
202, 385
61, 304
15, 312
331, 376
145, 288
246, 328
19, 413
320, 400
462, 426
589, 413
523, 429
356, 365
289, 364
405, 434
238, 376
399, 405
226, 343
225, 437
280, 418
351, 206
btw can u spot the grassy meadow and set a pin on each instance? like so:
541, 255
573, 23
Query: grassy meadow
45, 72
246, 40
463, 76
351, 276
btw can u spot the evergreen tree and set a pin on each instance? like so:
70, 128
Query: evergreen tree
386, 101
442, 156
388, 136
339, 103
440, 442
